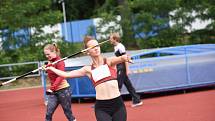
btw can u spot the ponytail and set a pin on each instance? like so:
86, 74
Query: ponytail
57, 50
86, 40
53, 48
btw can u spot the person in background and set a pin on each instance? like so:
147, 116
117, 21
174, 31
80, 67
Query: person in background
123, 70
109, 105
59, 92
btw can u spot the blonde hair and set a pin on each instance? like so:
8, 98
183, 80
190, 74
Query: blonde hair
116, 36
53, 48
86, 40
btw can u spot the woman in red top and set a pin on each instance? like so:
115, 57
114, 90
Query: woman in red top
60, 92
109, 105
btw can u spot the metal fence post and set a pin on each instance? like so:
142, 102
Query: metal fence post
187, 66
43, 79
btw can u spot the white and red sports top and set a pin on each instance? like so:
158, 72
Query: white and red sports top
103, 73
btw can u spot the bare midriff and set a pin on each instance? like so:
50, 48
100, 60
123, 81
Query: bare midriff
107, 90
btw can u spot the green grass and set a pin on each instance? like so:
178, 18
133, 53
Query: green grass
23, 83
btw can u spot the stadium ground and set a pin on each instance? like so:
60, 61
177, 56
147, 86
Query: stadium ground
28, 105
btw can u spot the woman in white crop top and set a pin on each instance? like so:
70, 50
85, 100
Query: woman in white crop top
109, 105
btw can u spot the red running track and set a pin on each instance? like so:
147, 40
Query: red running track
28, 105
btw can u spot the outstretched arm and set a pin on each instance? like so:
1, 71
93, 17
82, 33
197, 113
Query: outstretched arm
72, 74
120, 59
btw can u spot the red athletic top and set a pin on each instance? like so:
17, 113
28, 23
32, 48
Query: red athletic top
113, 75
57, 82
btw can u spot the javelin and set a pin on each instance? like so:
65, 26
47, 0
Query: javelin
62, 59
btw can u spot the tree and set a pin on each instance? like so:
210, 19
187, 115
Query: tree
149, 21
193, 10
17, 14
117, 12
21, 15
126, 23
80, 9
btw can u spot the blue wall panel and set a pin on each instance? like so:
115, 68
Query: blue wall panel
81, 87
76, 30
186, 70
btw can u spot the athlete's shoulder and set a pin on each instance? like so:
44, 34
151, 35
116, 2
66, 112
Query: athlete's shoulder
121, 48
